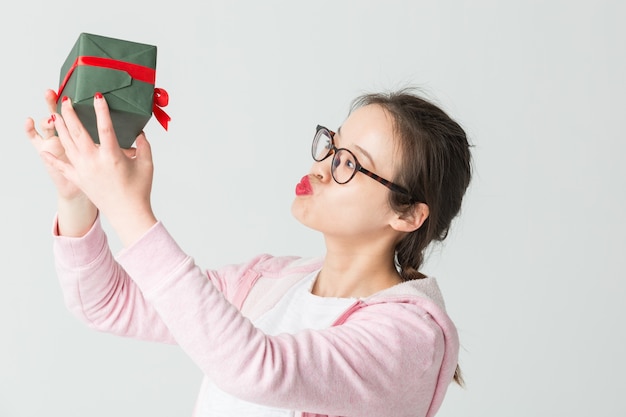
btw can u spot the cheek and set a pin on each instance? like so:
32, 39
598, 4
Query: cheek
350, 208
370, 210
362, 209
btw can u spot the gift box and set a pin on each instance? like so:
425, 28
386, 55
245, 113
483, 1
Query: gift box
124, 72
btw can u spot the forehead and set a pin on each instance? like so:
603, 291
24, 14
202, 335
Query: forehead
370, 128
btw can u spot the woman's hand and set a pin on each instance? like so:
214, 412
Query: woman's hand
48, 142
116, 180
75, 213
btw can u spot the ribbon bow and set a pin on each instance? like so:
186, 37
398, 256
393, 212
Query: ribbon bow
161, 99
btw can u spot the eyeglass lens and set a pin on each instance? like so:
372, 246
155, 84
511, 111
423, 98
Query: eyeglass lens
343, 164
322, 145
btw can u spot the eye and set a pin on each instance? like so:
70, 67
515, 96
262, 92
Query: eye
336, 161
344, 159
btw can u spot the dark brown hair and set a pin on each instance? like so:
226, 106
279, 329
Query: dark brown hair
435, 167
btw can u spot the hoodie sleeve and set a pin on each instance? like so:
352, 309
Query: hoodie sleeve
385, 359
99, 292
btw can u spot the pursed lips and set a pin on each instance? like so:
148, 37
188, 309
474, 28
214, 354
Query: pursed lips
304, 186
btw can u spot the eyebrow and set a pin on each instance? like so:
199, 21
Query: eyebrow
361, 151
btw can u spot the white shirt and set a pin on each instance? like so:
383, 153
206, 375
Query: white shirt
297, 310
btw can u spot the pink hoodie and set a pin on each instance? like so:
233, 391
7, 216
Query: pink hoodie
391, 354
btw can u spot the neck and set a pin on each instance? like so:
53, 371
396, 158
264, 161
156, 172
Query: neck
356, 272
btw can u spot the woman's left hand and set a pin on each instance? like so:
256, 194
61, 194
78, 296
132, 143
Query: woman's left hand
118, 181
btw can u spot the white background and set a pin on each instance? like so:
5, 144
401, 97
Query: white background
533, 271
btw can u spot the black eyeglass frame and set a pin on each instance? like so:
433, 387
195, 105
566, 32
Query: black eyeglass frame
359, 168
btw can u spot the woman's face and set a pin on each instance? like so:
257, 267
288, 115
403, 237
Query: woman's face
359, 208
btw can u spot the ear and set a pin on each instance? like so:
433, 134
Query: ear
411, 220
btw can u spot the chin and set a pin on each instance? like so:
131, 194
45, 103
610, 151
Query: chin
299, 212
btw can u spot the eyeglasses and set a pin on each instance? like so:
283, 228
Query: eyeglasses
344, 165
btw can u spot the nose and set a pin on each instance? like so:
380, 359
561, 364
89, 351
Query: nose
322, 169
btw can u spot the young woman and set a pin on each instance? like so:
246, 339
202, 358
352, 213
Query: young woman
358, 332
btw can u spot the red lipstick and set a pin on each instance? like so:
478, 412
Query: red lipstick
304, 186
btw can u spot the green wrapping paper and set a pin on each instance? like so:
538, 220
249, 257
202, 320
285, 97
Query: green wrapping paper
124, 72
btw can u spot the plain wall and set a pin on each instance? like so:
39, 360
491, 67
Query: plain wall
532, 272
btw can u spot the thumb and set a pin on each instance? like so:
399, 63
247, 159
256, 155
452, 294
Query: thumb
144, 151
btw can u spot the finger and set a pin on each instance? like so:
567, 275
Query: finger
29, 129
106, 133
47, 127
144, 150
57, 164
64, 134
130, 152
51, 100
75, 135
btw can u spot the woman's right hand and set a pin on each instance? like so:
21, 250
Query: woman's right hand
75, 212
48, 141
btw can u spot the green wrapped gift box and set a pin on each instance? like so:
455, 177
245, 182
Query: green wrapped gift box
124, 72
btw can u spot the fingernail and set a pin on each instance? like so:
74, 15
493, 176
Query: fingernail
98, 95
52, 118
65, 98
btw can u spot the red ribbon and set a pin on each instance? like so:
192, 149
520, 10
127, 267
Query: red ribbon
137, 72
161, 99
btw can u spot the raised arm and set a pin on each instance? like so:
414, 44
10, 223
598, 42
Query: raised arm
96, 289
353, 368
99, 292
